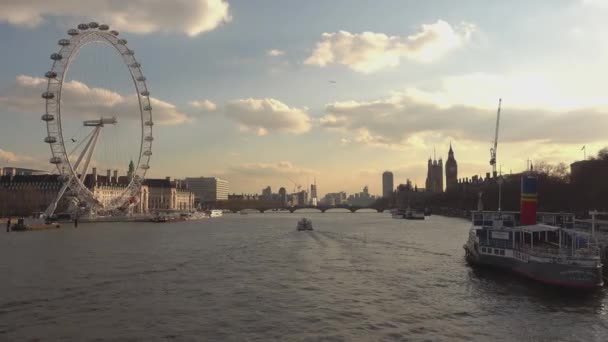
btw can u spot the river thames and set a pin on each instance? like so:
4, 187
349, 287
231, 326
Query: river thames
356, 277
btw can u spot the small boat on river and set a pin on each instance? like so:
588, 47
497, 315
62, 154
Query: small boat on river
305, 224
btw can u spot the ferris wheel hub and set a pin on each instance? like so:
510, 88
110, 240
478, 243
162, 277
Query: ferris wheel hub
101, 122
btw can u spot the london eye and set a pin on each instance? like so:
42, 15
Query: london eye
80, 139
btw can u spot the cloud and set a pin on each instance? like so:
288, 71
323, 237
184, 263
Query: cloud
138, 16
275, 52
368, 51
405, 120
281, 168
554, 90
25, 96
268, 115
204, 105
11, 157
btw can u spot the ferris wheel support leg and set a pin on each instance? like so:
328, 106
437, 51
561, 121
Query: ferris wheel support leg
90, 153
53, 206
86, 148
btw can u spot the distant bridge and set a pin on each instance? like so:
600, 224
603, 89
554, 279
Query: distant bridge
236, 207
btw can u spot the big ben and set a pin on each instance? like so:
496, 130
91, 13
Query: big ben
451, 171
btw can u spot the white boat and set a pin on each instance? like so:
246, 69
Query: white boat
305, 224
216, 213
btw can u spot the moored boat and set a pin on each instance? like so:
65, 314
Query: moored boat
550, 254
412, 214
397, 213
159, 219
216, 213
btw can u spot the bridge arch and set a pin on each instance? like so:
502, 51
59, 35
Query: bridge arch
338, 210
367, 210
248, 210
306, 210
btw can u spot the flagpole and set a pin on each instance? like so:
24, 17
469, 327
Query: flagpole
584, 152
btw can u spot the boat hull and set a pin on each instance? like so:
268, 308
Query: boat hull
562, 275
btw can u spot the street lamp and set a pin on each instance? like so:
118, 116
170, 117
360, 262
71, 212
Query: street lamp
500, 180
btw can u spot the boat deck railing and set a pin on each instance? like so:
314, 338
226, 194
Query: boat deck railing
565, 253
511, 219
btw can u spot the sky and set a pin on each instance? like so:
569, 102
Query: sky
287, 92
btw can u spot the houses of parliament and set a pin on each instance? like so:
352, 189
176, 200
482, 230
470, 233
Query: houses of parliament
434, 176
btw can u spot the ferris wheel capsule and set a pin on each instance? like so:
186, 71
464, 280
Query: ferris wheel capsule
64, 42
122, 41
114, 32
149, 138
47, 117
56, 56
48, 95
141, 78
83, 26
149, 123
93, 25
50, 74
73, 32
104, 27
50, 140
55, 160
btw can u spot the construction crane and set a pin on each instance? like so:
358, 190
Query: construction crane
295, 185
495, 147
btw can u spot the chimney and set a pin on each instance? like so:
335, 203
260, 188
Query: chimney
94, 171
115, 176
108, 176
529, 198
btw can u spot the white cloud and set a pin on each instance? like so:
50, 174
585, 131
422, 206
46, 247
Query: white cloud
204, 105
25, 96
405, 120
139, 16
11, 157
595, 3
368, 51
281, 168
266, 115
275, 52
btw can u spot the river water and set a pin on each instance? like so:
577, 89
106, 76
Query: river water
357, 277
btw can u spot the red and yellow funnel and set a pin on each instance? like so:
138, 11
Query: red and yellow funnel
529, 198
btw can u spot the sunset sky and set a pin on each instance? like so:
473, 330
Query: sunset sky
261, 92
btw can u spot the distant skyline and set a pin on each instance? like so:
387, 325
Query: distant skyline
262, 92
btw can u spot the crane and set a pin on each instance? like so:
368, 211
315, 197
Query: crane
295, 185
495, 147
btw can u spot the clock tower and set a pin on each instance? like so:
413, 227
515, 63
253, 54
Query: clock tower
451, 171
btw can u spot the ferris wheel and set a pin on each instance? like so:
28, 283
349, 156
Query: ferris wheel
74, 167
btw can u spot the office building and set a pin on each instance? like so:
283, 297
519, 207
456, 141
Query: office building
208, 189
387, 184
